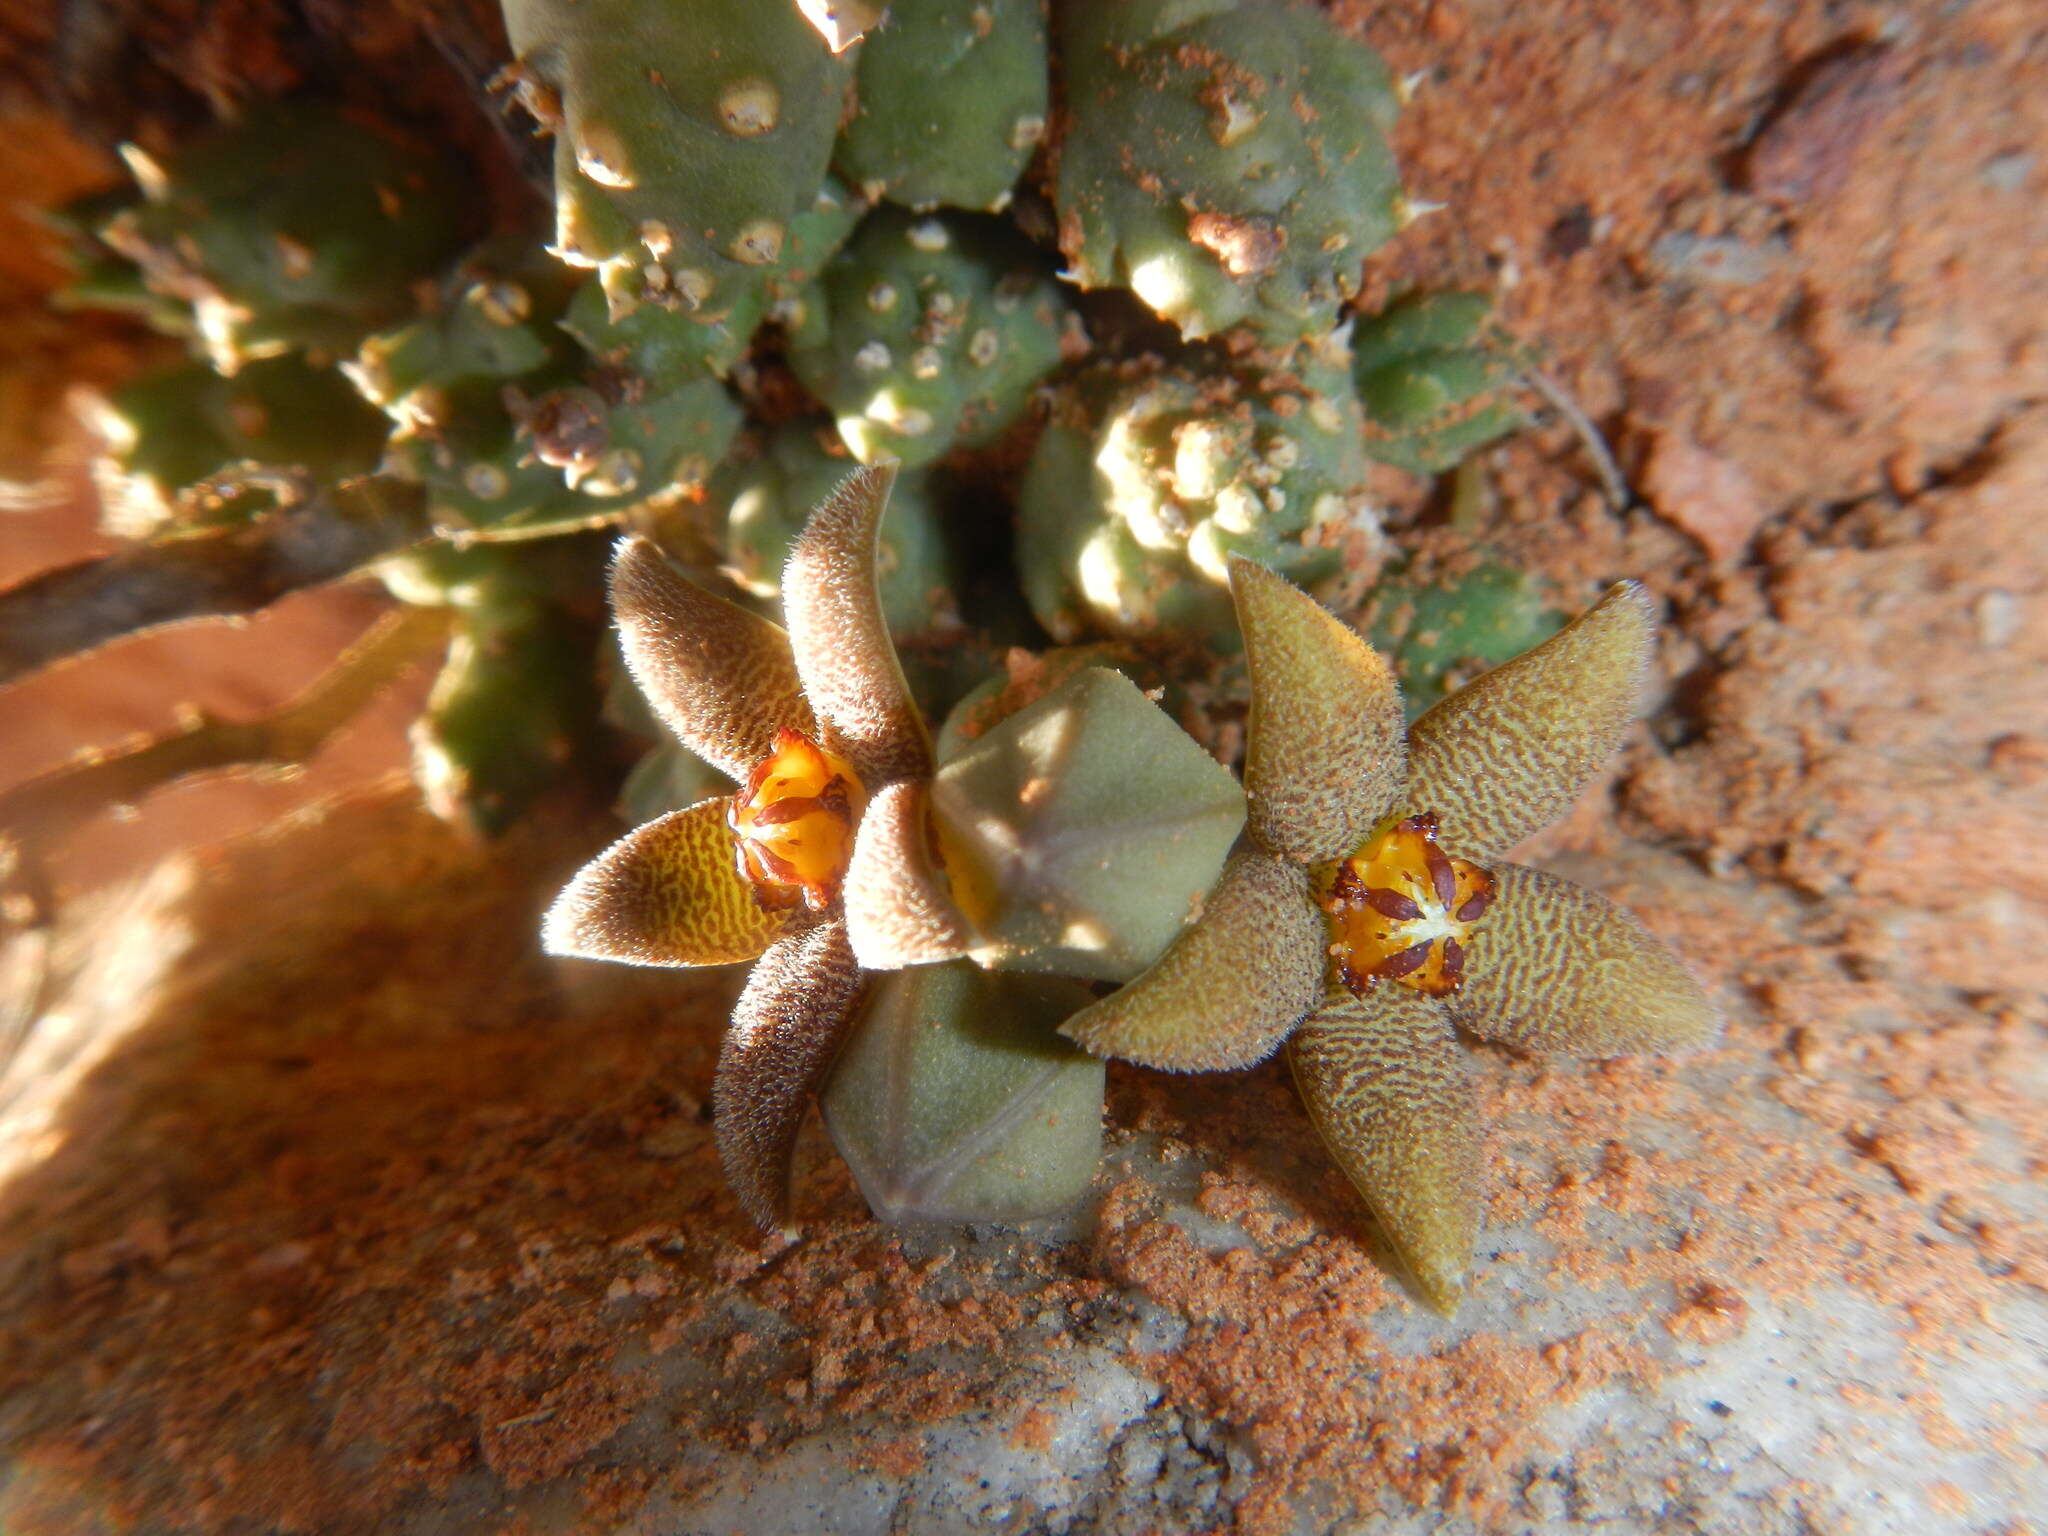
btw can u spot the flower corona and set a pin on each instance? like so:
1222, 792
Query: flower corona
1401, 909
793, 823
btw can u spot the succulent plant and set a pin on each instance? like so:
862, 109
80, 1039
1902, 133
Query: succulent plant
659, 343
492, 320
953, 99
767, 489
923, 914
1228, 161
955, 1100
516, 701
510, 711
1025, 678
1434, 375
841, 854
930, 333
657, 442
1080, 832
294, 227
476, 471
1150, 476
1369, 907
669, 343
816, 727
1442, 633
165, 434
495, 457
101, 278
510, 425
687, 138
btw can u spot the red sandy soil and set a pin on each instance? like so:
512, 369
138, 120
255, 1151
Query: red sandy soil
368, 1199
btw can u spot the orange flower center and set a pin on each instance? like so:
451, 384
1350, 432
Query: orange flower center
1401, 909
793, 823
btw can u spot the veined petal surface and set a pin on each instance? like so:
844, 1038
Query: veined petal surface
667, 893
721, 678
843, 651
785, 1030
1230, 987
1326, 758
1507, 754
1384, 1080
1556, 967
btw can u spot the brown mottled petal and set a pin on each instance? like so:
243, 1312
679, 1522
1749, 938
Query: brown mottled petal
1325, 760
1385, 1083
1230, 987
1556, 967
1507, 754
721, 678
899, 908
843, 649
785, 1030
668, 893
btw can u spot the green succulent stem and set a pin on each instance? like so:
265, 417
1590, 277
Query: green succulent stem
1228, 161
954, 1100
687, 138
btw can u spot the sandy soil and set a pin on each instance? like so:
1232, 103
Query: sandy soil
332, 1202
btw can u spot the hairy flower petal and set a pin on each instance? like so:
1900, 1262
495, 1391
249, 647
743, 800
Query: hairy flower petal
899, 909
785, 1030
833, 602
721, 678
1230, 987
667, 893
1385, 1083
1506, 755
1556, 967
1325, 760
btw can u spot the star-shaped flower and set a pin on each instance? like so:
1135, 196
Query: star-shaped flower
818, 727
1367, 910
